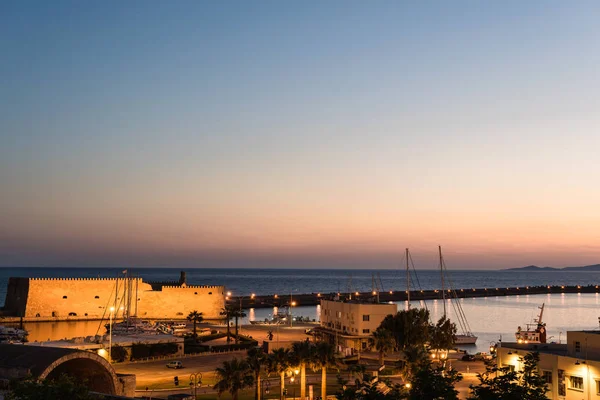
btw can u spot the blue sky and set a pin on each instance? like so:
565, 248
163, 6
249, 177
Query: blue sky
308, 134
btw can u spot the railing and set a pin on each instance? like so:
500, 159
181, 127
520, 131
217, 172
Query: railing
173, 356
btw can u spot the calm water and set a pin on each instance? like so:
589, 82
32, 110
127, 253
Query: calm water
490, 318
497, 317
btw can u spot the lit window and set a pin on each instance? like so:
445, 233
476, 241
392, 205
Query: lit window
576, 382
365, 317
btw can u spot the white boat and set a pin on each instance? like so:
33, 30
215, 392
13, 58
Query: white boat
10, 335
466, 336
535, 332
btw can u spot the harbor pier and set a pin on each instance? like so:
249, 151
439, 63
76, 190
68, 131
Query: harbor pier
312, 299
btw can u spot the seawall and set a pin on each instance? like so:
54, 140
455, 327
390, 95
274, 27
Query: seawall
313, 299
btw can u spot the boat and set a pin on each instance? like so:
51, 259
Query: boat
279, 318
535, 332
466, 337
124, 302
11, 335
131, 326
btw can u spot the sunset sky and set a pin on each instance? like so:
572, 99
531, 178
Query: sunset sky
299, 134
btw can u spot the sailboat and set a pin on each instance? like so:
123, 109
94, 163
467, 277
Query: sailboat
466, 336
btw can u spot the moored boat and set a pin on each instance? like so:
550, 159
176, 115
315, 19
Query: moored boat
10, 335
535, 332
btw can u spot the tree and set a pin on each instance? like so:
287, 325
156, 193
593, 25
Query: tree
256, 361
409, 328
511, 385
279, 362
324, 356
365, 390
443, 335
118, 353
64, 387
383, 341
429, 382
196, 317
237, 314
303, 354
227, 313
233, 376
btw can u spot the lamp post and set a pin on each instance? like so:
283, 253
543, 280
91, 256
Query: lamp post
292, 304
195, 380
112, 310
493, 347
266, 388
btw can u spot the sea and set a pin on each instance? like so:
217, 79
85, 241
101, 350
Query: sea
492, 318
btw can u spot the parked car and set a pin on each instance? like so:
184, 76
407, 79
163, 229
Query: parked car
483, 356
468, 357
175, 364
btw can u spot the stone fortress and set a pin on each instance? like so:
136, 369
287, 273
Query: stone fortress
59, 299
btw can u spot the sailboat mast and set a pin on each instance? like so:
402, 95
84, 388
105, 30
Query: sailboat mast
442, 274
407, 280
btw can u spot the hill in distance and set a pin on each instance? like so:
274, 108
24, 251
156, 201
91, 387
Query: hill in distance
595, 267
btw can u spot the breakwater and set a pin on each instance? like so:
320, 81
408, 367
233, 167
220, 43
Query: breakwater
312, 299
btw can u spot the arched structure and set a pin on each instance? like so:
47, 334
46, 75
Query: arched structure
50, 362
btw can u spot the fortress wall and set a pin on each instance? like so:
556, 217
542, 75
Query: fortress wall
59, 297
45, 298
175, 302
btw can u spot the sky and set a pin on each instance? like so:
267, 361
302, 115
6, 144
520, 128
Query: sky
299, 134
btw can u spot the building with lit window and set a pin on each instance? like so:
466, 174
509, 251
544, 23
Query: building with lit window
572, 370
348, 324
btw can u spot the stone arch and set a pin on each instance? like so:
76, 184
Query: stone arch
85, 366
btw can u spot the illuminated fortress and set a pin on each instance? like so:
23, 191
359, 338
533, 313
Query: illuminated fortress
91, 298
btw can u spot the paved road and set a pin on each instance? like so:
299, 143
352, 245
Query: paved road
151, 374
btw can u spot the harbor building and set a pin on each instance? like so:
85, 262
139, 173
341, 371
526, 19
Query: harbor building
349, 323
571, 370
60, 299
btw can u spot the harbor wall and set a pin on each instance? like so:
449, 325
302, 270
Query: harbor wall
91, 298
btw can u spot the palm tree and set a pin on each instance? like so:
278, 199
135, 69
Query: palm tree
237, 314
233, 376
383, 341
196, 317
324, 356
256, 360
303, 354
227, 313
279, 362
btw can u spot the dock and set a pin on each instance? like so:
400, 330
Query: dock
313, 299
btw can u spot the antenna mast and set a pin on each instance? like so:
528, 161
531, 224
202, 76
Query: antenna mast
442, 273
407, 280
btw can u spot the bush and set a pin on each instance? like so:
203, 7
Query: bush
118, 353
144, 350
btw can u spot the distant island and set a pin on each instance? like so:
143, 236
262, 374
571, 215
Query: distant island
595, 267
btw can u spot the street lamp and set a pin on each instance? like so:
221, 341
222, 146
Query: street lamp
493, 347
112, 310
110, 324
266, 387
195, 380
292, 304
